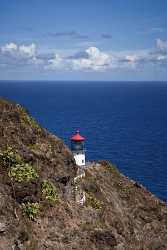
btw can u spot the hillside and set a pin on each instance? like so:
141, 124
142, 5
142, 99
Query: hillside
38, 208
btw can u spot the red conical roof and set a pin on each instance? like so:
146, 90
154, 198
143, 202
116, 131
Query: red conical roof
77, 137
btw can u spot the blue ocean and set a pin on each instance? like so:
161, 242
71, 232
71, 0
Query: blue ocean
123, 122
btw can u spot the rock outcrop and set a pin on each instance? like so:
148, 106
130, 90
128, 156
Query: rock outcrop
38, 210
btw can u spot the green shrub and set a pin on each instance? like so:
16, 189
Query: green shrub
18, 169
9, 157
93, 202
49, 191
31, 209
23, 172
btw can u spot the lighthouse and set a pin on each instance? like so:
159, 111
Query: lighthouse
77, 147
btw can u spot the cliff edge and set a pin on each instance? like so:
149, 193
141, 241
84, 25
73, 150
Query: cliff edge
38, 208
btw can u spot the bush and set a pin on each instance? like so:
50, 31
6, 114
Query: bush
23, 172
18, 169
9, 157
31, 209
49, 191
93, 202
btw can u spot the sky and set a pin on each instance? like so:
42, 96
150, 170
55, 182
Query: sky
110, 40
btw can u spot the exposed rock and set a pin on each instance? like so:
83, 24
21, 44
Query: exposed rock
2, 227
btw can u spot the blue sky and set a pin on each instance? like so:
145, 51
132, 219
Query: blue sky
83, 40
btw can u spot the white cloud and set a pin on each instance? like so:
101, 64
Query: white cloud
162, 57
93, 60
96, 60
162, 45
25, 52
9, 47
131, 58
56, 63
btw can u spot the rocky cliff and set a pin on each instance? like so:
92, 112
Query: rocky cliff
38, 209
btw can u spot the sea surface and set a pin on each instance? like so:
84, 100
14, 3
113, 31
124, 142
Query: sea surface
124, 122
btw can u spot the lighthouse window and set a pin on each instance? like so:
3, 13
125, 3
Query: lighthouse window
82, 161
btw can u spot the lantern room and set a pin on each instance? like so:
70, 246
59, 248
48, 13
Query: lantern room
77, 147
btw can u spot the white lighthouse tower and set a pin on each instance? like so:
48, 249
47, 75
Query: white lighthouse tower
77, 147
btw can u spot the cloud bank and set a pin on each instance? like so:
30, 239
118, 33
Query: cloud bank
91, 59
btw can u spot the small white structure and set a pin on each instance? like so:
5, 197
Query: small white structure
77, 147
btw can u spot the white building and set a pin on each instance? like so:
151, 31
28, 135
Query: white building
77, 147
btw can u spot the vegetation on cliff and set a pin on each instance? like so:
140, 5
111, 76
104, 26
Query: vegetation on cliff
49, 191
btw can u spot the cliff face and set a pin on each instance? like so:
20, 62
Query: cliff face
37, 196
